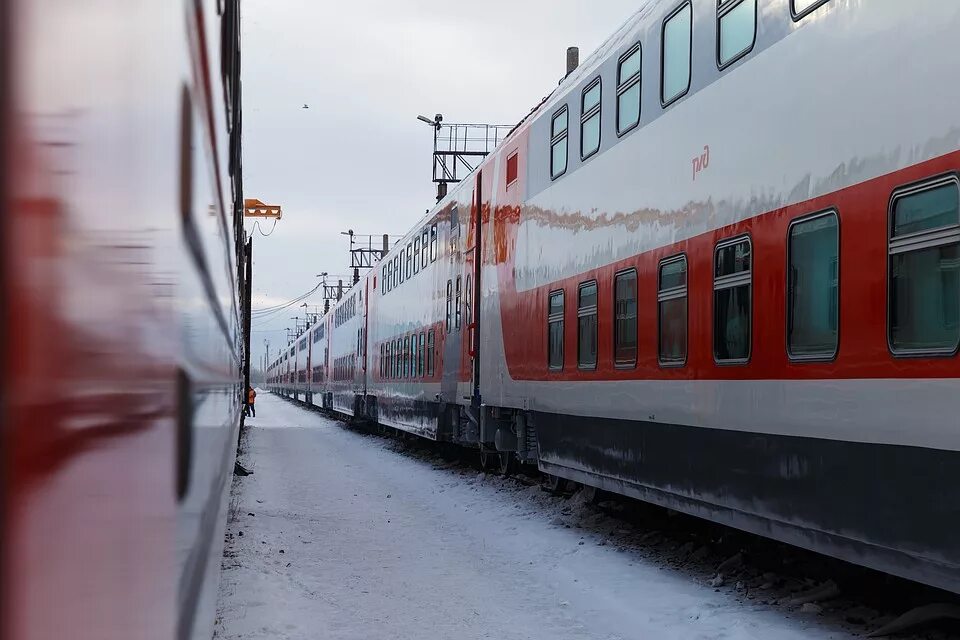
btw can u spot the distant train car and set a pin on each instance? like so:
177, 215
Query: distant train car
718, 269
121, 274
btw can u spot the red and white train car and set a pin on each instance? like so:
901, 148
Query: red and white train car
719, 270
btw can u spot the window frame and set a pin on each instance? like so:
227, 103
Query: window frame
625, 364
815, 357
723, 8
556, 139
449, 317
424, 248
595, 111
422, 355
409, 254
515, 158
431, 347
434, 242
722, 244
663, 43
927, 239
624, 85
561, 318
584, 312
800, 15
416, 254
402, 257
458, 302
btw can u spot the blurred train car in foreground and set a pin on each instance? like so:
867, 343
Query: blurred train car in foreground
121, 267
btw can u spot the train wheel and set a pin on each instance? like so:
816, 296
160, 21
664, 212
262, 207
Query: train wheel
592, 495
555, 484
488, 460
508, 463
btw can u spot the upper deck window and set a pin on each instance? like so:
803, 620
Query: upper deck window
558, 143
590, 102
675, 54
736, 29
628, 90
801, 8
513, 168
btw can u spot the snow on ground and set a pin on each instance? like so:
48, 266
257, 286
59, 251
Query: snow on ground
337, 535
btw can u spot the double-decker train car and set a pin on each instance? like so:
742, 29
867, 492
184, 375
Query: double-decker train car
122, 266
718, 269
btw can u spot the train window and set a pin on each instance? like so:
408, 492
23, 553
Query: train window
513, 168
421, 355
813, 287
801, 8
409, 260
555, 330
625, 318
628, 90
424, 248
431, 341
397, 359
406, 357
383, 281
590, 106
732, 284
587, 326
416, 254
433, 243
449, 304
413, 356
381, 360
736, 30
672, 312
924, 289
459, 299
402, 265
675, 54
558, 143
468, 301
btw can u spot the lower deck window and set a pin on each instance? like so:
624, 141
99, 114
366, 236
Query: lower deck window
555, 330
431, 340
732, 301
813, 288
924, 291
625, 318
587, 326
672, 311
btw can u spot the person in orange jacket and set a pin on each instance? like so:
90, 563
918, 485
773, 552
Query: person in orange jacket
251, 402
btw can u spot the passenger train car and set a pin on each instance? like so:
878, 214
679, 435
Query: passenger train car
122, 260
717, 269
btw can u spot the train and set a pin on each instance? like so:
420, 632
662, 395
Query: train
717, 270
124, 275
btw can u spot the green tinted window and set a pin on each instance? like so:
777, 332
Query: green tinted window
813, 288
924, 289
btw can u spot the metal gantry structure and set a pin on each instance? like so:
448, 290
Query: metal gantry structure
459, 148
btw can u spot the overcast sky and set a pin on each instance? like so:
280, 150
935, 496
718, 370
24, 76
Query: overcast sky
358, 158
